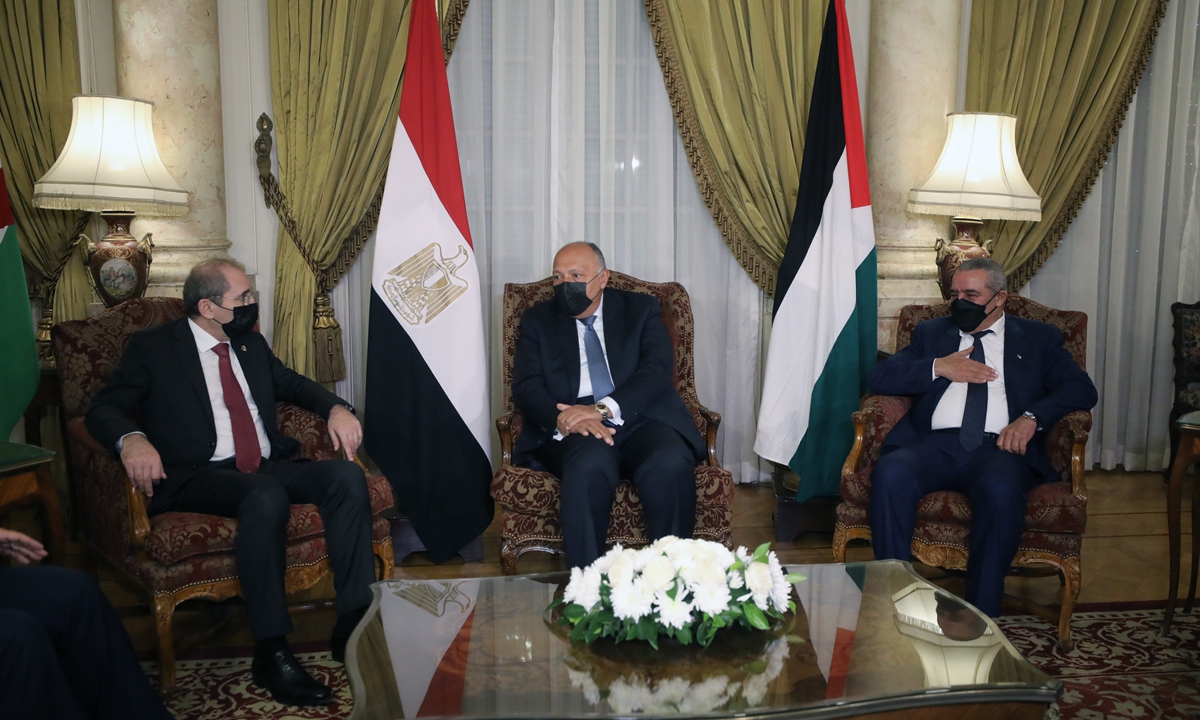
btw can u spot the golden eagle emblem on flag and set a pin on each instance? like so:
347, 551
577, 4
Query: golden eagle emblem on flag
434, 597
424, 285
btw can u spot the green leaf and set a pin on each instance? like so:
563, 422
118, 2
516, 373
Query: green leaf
684, 635
795, 577
755, 616
792, 605
556, 603
760, 552
574, 612
756, 667
794, 638
737, 565
705, 634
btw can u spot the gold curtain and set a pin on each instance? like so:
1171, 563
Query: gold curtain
1068, 70
739, 74
39, 74
336, 67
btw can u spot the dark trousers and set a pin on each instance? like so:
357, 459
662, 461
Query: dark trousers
261, 502
64, 653
996, 482
650, 453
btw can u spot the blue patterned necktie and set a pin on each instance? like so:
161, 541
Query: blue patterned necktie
602, 385
975, 409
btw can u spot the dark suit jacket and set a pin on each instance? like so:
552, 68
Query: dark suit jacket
159, 389
1040, 377
640, 360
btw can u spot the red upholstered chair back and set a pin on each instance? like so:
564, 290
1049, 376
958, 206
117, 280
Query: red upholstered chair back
87, 351
677, 316
1072, 323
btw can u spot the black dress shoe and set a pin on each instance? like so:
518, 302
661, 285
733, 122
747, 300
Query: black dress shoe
288, 682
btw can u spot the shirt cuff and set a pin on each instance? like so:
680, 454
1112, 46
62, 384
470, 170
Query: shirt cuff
614, 410
933, 370
121, 440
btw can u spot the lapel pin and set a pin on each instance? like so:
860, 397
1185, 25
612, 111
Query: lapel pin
1018, 354
244, 350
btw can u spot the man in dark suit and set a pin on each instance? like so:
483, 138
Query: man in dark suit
592, 378
986, 390
191, 412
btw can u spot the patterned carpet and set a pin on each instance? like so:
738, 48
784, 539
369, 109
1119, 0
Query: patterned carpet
1120, 668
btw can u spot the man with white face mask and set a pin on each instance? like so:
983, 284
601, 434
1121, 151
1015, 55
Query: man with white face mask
986, 389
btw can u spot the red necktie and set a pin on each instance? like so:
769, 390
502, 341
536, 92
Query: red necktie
245, 437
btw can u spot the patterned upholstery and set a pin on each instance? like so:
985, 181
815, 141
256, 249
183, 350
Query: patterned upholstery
1056, 515
1187, 369
529, 499
174, 556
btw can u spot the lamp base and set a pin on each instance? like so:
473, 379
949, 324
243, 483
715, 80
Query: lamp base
965, 246
119, 264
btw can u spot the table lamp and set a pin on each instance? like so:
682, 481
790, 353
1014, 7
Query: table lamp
110, 165
977, 177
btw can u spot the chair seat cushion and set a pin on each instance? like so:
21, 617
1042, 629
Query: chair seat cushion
536, 492
175, 536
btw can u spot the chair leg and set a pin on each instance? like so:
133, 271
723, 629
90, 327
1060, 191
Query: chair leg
1071, 581
164, 609
508, 557
387, 560
840, 537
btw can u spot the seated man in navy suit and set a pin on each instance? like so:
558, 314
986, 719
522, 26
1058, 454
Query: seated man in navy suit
986, 390
592, 379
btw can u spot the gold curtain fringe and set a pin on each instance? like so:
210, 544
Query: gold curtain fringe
761, 269
1082, 187
981, 213
452, 17
72, 202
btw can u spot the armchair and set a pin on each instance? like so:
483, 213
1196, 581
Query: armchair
174, 557
1056, 515
1186, 395
530, 499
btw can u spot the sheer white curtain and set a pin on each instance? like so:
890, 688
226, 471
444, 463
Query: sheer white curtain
1134, 249
565, 133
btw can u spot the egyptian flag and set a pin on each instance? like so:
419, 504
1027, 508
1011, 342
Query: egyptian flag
18, 349
831, 598
427, 418
823, 334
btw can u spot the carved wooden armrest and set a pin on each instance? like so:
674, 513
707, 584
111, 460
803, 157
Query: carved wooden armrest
1078, 427
139, 521
712, 422
504, 428
862, 421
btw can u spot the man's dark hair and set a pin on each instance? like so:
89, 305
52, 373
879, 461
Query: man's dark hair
599, 255
996, 279
207, 281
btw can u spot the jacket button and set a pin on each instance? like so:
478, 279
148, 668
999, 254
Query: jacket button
212, 444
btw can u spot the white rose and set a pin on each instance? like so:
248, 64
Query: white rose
659, 573
704, 570
621, 570
759, 582
606, 560
663, 543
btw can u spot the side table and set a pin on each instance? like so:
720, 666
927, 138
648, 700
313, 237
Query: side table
1187, 453
25, 478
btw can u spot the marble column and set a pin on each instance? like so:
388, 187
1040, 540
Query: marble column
167, 53
913, 83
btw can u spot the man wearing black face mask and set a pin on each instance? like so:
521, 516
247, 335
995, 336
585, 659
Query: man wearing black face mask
986, 389
592, 378
191, 413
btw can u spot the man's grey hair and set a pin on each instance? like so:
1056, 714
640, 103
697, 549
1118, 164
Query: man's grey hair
996, 279
207, 281
599, 255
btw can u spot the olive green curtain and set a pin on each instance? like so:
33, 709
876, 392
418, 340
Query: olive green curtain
39, 74
739, 74
1068, 70
336, 67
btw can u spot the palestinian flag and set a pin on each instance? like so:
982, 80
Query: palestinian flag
427, 415
18, 349
823, 341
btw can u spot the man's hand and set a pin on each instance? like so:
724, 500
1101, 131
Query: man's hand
19, 547
344, 430
1017, 435
959, 367
142, 463
584, 420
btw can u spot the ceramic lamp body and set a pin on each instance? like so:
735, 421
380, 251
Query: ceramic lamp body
119, 266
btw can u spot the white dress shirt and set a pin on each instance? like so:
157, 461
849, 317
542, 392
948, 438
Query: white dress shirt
949, 411
585, 377
211, 363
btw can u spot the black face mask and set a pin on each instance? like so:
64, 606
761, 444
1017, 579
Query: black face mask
243, 321
968, 315
572, 297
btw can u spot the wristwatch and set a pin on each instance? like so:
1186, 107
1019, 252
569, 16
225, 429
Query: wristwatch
1032, 417
603, 410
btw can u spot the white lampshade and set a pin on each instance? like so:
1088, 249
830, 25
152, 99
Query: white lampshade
110, 162
978, 173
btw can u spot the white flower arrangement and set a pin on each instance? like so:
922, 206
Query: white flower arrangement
683, 589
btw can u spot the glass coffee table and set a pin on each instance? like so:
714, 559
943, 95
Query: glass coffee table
867, 640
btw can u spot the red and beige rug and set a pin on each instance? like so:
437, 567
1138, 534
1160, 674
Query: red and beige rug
1120, 669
